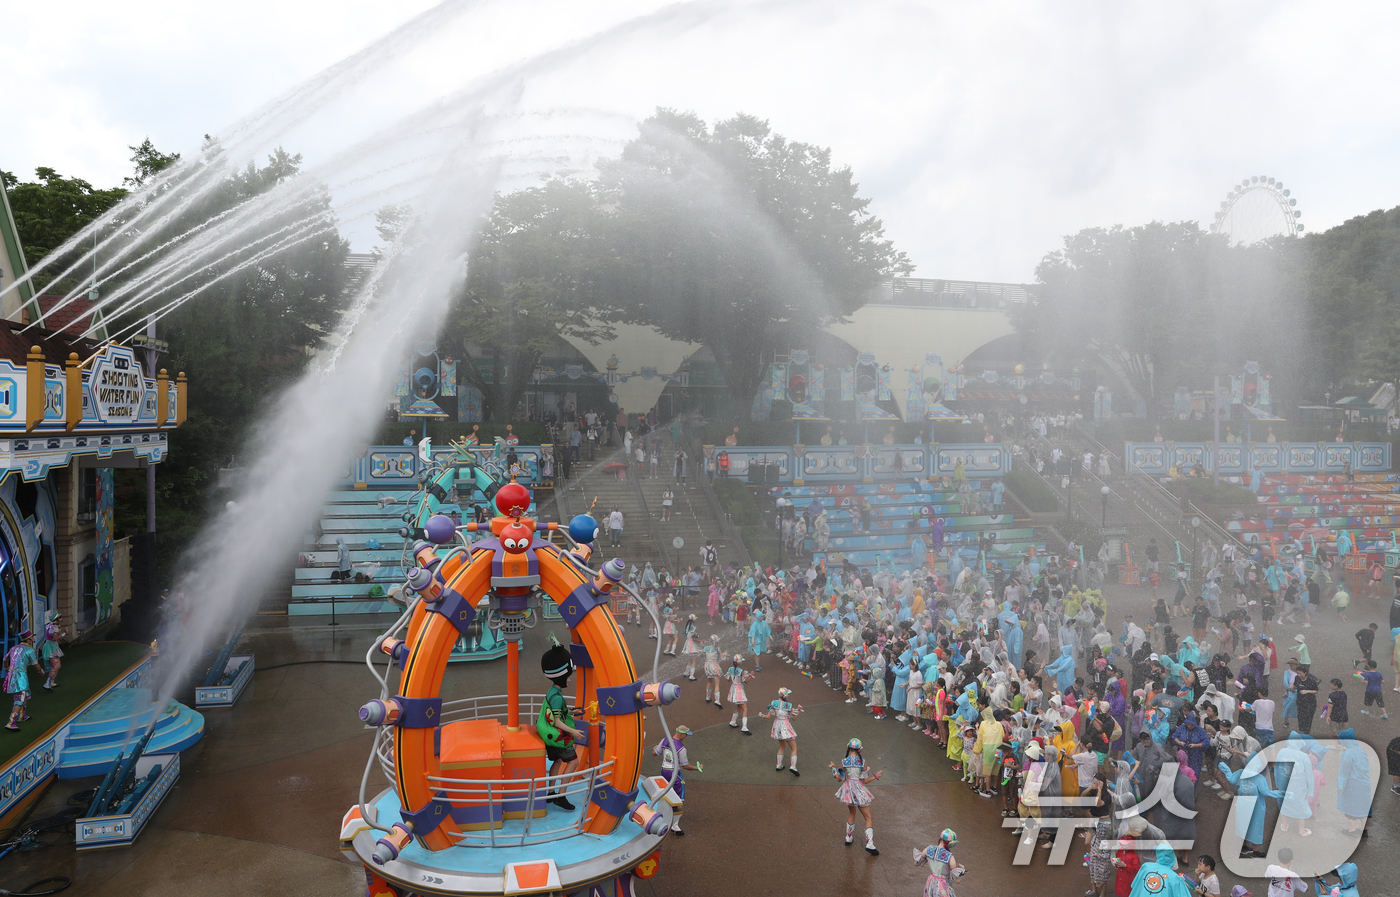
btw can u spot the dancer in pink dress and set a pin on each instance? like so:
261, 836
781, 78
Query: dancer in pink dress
781, 713
691, 648
712, 671
853, 775
737, 676
942, 867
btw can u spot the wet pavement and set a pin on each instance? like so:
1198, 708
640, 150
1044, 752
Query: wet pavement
258, 807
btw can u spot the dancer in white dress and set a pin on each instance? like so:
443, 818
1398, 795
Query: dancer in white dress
713, 673
737, 676
781, 713
691, 648
668, 631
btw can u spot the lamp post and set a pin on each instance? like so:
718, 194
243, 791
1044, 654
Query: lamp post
1103, 521
1069, 498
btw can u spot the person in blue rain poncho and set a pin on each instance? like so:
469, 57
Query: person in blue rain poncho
899, 698
808, 636
1188, 650
1354, 785
967, 704
1159, 879
1346, 883
1011, 629
759, 633
1062, 669
1251, 802
1192, 739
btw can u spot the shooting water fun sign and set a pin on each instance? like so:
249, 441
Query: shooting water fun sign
117, 386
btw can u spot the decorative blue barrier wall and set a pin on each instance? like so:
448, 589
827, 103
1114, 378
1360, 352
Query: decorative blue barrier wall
1243, 458
398, 465
825, 463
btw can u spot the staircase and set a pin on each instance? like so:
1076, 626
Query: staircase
1137, 503
595, 490
691, 519
370, 522
114, 723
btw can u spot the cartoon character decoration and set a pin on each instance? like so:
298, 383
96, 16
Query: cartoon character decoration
798, 377
516, 537
932, 379
512, 499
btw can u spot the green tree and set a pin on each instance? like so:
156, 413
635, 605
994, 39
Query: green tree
723, 233
534, 278
149, 162
1167, 305
1120, 292
51, 209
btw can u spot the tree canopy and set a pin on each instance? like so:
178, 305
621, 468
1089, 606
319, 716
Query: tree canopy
710, 235
724, 232
534, 277
53, 208
1168, 304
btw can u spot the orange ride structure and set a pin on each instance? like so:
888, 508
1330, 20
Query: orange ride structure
472, 809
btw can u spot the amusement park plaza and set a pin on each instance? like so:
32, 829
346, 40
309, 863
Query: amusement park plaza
477, 449
297, 764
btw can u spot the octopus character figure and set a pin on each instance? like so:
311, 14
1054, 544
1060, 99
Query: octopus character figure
943, 869
713, 673
737, 676
781, 713
691, 648
853, 775
50, 654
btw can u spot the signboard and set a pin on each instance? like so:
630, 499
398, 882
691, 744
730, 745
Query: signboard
117, 386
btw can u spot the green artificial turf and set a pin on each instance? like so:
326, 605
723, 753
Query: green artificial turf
87, 669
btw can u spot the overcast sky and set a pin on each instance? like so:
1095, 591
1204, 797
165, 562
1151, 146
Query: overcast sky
982, 133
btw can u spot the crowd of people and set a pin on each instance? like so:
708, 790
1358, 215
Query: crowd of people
1046, 711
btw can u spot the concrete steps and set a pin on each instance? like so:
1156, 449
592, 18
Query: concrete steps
116, 722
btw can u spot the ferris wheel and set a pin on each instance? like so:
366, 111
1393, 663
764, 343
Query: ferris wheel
1256, 209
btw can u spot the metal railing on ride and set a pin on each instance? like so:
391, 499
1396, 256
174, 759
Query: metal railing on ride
523, 796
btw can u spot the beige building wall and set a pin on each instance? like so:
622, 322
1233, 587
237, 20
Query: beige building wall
901, 336
638, 346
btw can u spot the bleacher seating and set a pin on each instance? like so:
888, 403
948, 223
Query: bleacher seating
1314, 508
357, 516
897, 512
